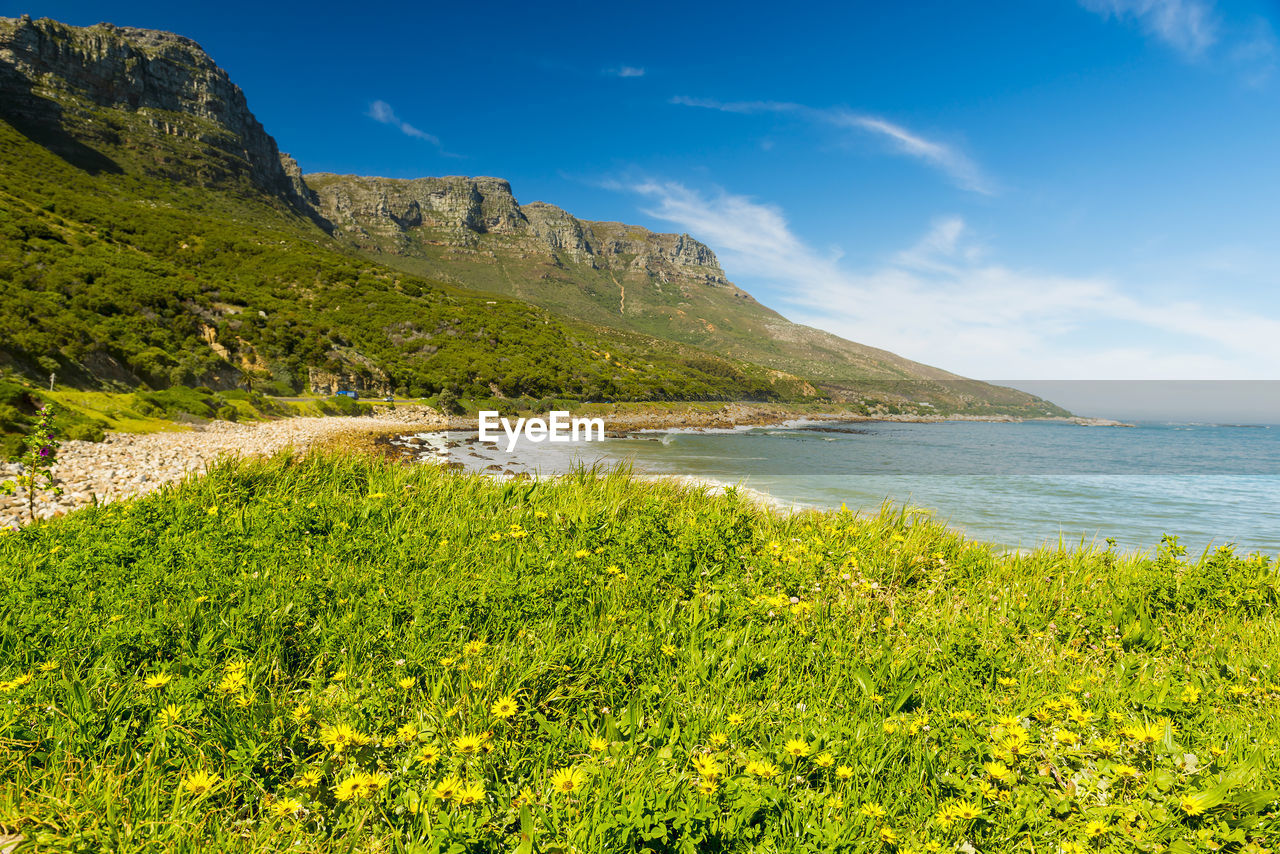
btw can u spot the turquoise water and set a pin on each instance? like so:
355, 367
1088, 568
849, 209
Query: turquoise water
1020, 485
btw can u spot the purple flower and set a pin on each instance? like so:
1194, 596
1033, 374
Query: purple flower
46, 451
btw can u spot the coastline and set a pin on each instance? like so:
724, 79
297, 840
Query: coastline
125, 465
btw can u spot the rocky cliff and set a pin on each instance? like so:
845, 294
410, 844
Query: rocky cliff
52, 75
407, 217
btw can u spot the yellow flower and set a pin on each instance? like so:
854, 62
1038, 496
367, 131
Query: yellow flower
966, 811
1125, 772
540, 514
835, 802
797, 748
998, 771
888, 835
1106, 746
282, 807
170, 714
706, 786
1067, 737
470, 743
339, 737
48, 666
408, 732
763, 770
503, 708
448, 788
406, 683
668, 650
718, 739
347, 789
474, 647
824, 760
568, 780
598, 744
232, 682
301, 714
1196, 804
429, 754
471, 793
890, 727
1096, 828
872, 810
736, 720
1190, 694
310, 778
707, 767
340, 676
844, 772
581, 553
200, 782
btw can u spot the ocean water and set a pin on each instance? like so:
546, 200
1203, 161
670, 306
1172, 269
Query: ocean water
1020, 485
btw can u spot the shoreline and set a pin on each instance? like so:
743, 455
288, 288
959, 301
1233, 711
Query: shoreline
126, 465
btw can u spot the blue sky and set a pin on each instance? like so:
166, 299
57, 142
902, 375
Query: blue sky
1055, 189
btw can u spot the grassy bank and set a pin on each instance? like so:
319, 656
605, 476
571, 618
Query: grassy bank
338, 654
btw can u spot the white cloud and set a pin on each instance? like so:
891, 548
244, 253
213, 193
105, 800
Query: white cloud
1189, 26
625, 71
943, 302
1197, 30
380, 111
948, 160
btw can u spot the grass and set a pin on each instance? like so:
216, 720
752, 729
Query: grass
342, 654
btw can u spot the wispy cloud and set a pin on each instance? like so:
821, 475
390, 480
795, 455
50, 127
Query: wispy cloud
960, 169
625, 71
381, 111
1189, 26
945, 302
1198, 30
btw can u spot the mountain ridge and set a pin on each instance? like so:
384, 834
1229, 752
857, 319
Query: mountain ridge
129, 105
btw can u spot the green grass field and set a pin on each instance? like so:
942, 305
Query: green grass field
341, 654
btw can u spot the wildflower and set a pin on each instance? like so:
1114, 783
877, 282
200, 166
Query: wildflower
200, 782
890, 727
170, 714
1009, 722
1006, 682
1194, 805
1095, 829
471, 793
408, 732
835, 802
1125, 772
707, 767
598, 744
232, 682
568, 780
718, 739
158, 680
470, 743
341, 736
474, 647
998, 771
581, 553
797, 748
540, 514
872, 810
706, 786
613, 569
1106, 746
762, 769
503, 708
448, 788
310, 778
48, 666
1190, 694
736, 720
348, 789
668, 650
406, 683
824, 760
888, 835
300, 714
966, 811
340, 676
285, 807
1066, 737
844, 772
429, 754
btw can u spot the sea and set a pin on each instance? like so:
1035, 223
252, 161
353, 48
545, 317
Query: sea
1019, 485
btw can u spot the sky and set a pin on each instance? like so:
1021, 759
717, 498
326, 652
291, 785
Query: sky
1025, 190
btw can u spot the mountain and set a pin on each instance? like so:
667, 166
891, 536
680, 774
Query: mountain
473, 231
155, 234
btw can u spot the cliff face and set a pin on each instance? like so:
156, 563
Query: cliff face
402, 216
50, 71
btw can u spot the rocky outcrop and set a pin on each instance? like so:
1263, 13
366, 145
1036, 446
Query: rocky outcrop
405, 216
168, 79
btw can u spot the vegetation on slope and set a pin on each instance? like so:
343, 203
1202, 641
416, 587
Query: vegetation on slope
342, 655
117, 276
